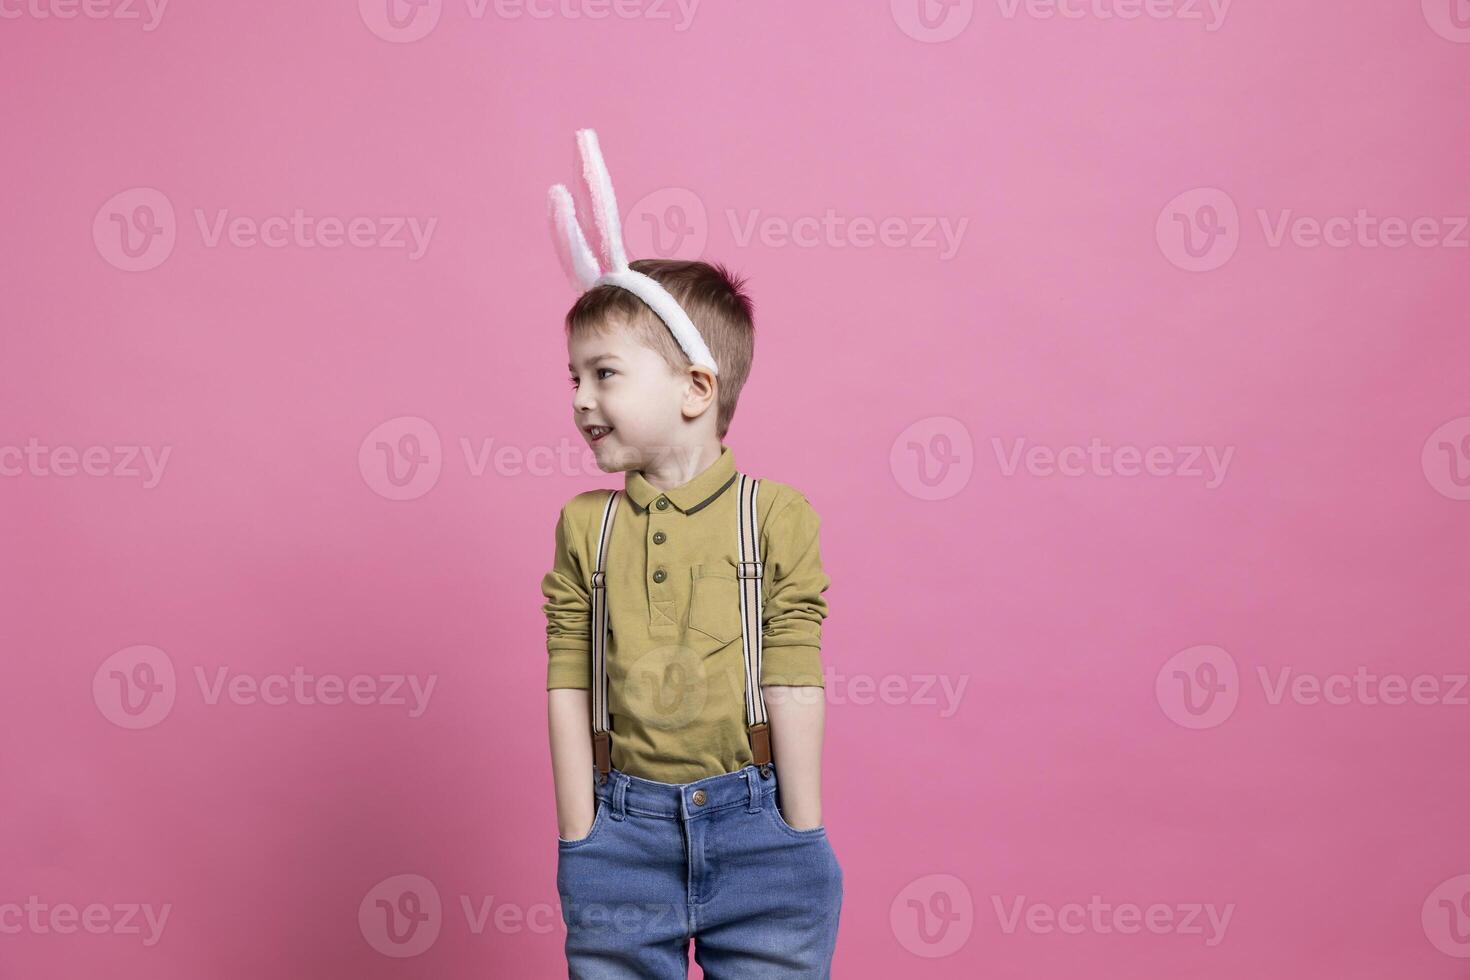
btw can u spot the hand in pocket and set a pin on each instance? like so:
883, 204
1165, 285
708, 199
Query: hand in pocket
581, 828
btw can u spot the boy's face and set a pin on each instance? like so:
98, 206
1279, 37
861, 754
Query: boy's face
619, 383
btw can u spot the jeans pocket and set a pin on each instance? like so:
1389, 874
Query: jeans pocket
810, 832
598, 820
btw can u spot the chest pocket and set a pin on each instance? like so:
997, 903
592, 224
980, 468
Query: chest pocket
714, 603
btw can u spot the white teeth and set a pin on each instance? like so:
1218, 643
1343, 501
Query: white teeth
599, 430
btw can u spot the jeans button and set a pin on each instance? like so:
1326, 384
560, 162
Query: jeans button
699, 797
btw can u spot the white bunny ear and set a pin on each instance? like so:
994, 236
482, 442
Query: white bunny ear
576, 257
604, 203
581, 264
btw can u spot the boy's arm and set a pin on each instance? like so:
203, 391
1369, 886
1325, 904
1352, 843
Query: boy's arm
568, 679
791, 663
797, 715
568, 711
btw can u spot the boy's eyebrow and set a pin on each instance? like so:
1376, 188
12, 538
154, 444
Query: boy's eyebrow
595, 360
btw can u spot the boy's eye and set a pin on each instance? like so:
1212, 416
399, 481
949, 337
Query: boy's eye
598, 372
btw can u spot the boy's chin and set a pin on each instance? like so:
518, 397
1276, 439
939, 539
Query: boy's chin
614, 459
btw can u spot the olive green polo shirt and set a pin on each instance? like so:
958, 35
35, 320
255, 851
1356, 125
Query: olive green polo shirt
675, 660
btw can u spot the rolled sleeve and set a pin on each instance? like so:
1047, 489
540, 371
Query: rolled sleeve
568, 611
793, 607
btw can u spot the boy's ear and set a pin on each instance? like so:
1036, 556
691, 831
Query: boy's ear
699, 391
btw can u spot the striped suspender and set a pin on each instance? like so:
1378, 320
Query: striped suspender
750, 574
601, 721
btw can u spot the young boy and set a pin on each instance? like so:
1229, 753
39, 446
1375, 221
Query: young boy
706, 681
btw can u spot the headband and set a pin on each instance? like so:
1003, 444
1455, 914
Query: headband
581, 265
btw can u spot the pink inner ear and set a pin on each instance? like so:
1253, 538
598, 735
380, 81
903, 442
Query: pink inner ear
577, 260
563, 252
604, 200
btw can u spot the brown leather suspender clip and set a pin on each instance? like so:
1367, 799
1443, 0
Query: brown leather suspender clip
602, 754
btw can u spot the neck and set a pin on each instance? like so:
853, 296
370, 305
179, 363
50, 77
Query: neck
681, 464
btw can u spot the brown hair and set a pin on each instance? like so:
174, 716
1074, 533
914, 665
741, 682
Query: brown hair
715, 300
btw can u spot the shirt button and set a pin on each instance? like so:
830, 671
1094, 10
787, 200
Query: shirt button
699, 797
662, 503
660, 575
659, 537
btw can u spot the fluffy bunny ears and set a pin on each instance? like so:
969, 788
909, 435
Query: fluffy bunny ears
581, 265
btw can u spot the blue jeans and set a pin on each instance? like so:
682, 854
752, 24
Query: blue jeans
712, 861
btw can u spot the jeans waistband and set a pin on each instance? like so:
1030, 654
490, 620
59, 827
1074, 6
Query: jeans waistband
625, 794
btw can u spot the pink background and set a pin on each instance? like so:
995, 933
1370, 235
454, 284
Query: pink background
1080, 612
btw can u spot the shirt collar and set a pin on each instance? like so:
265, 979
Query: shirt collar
688, 497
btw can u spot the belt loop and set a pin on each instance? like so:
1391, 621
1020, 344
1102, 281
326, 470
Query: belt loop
619, 796
753, 790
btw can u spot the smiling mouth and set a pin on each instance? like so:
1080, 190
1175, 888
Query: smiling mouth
596, 433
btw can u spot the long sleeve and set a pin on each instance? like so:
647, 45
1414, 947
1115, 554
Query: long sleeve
793, 604
568, 611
